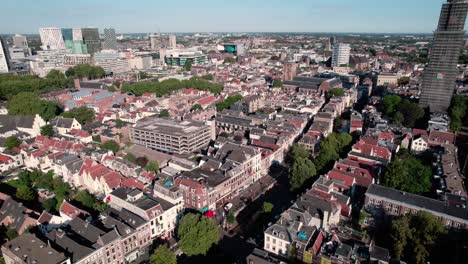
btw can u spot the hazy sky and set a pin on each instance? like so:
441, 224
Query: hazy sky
26, 16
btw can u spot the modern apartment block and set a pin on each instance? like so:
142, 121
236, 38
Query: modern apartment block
440, 75
51, 38
110, 42
172, 136
340, 54
451, 212
4, 57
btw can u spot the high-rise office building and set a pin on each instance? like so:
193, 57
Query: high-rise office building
340, 56
4, 57
91, 39
110, 42
155, 42
440, 75
20, 41
51, 38
172, 42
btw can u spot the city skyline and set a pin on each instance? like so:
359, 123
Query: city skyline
363, 16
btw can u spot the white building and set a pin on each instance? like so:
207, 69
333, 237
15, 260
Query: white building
140, 62
51, 38
155, 41
172, 42
76, 33
4, 57
46, 60
111, 61
20, 41
340, 54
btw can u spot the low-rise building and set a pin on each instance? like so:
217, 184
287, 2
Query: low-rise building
171, 135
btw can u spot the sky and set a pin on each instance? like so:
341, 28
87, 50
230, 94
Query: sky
142, 16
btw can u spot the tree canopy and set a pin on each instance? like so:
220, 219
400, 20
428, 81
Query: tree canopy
403, 112
47, 131
85, 71
267, 207
457, 112
164, 113
335, 92
230, 100
196, 107
163, 255
111, 145
152, 166
406, 173
11, 142
197, 234
26, 103
229, 60
170, 85
414, 235
11, 85
83, 114
330, 150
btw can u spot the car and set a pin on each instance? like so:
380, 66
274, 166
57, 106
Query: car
228, 206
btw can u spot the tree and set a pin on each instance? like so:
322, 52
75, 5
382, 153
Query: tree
408, 174
49, 204
119, 123
85, 198
229, 60
335, 92
403, 81
116, 84
188, 65
25, 193
82, 114
372, 52
11, 142
26, 103
230, 100
111, 145
230, 218
47, 131
302, 170
411, 112
141, 161
277, 83
208, 77
267, 207
85, 71
152, 166
130, 157
164, 113
391, 103
163, 255
11, 233
414, 235
196, 107
457, 112
197, 234
398, 118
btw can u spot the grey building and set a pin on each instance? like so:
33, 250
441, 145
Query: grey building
110, 42
441, 73
172, 136
91, 39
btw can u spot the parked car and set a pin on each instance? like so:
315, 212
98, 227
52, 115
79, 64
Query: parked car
228, 206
